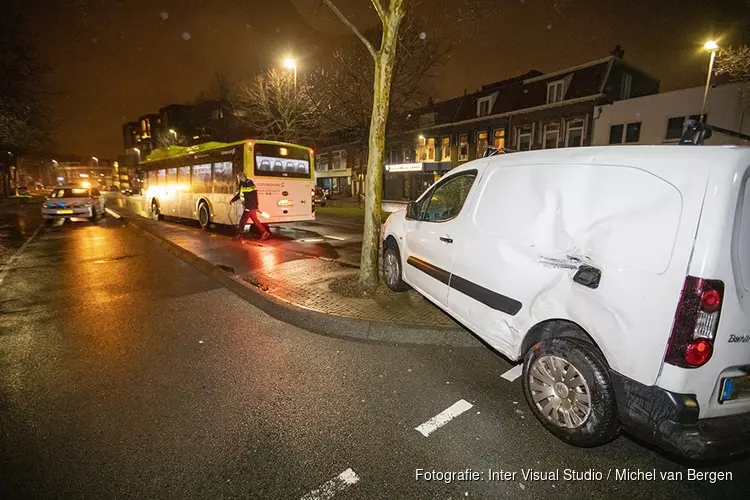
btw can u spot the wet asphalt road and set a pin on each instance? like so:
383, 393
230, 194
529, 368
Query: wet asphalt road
125, 373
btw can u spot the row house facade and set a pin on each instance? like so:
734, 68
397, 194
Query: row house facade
531, 111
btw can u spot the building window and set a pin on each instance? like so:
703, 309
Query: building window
551, 136
555, 91
431, 149
525, 138
574, 134
498, 138
627, 86
633, 132
338, 160
615, 134
427, 119
463, 147
676, 125
483, 106
445, 148
481, 143
421, 148
321, 162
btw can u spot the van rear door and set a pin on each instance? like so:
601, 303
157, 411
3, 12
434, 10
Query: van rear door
721, 259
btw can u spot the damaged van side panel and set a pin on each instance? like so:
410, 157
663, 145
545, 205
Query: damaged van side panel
540, 223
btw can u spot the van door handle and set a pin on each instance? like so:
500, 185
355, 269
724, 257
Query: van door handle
446, 239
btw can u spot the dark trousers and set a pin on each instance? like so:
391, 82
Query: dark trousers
253, 215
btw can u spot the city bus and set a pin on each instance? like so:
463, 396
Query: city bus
198, 182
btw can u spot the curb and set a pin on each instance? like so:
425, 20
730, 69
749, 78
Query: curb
315, 321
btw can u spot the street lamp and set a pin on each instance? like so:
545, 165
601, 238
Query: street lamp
712, 47
173, 132
95, 159
139, 153
290, 63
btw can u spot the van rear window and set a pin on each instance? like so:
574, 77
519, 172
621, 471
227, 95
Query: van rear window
617, 215
743, 237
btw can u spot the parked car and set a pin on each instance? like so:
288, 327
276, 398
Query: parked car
319, 197
620, 276
73, 202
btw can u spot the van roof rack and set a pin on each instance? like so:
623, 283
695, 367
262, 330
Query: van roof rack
492, 151
695, 133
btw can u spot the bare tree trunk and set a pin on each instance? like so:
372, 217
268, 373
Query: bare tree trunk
385, 59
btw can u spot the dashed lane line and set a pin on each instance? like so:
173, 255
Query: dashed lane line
443, 417
113, 213
513, 373
338, 484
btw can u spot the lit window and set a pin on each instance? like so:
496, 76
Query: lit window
551, 136
463, 147
481, 144
498, 138
555, 91
421, 149
445, 148
431, 149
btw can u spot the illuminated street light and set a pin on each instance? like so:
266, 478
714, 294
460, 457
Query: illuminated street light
95, 159
290, 63
712, 47
173, 132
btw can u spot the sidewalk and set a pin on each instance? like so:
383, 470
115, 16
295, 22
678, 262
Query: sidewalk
292, 284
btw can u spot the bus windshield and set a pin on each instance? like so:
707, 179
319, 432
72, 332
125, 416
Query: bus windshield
273, 160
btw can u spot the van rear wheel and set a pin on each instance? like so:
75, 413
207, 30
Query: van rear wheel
567, 386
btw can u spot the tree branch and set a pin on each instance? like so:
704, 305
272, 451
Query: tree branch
351, 26
379, 9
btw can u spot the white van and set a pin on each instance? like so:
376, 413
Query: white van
620, 275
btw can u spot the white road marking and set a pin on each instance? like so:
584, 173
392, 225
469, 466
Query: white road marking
13, 257
513, 373
113, 213
443, 417
334, 237
335, 485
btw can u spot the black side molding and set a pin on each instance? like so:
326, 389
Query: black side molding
491, 299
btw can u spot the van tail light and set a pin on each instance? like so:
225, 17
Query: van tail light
696, 321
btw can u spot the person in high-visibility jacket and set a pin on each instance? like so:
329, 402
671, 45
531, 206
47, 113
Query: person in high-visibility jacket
249, 193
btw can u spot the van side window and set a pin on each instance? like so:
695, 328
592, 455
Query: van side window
447, 199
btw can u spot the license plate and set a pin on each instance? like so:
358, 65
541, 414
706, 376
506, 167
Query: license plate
64, 211
734, 388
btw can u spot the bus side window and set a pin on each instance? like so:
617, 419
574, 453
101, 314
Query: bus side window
224, 182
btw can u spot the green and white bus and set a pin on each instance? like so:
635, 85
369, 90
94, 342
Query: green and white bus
197, 182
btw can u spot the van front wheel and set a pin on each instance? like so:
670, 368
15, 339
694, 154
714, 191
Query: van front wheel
392, 270
567, 386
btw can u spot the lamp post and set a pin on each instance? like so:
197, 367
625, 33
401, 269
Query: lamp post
139, 153
173, 132
712, 47
289, 63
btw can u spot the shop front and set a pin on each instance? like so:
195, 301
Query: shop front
407, 181
336, 181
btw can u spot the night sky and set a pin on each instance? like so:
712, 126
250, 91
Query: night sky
114, 60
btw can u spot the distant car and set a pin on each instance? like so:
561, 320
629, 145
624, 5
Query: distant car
73, 202
319, 197
126, 191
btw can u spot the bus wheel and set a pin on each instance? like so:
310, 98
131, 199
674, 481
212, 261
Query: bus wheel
154, 211
204, 216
